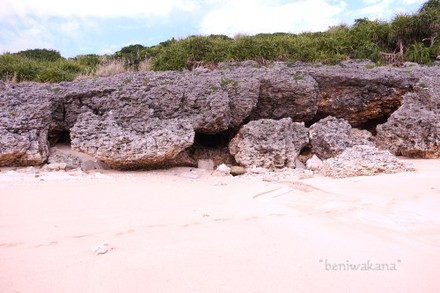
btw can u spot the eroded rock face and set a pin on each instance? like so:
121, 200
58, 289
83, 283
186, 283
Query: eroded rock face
152, 144
414, 129
25, 121
361, 94
285, 93
211, 101
148, 119
330, 136
269, 143
363, 160
12, 147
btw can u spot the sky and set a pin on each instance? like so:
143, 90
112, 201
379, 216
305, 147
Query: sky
103, 27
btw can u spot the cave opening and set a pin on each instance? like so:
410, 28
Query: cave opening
371, 125
315, 119
214, 141
60, 137
213, 147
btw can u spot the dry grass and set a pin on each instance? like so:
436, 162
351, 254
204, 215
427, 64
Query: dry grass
145, 65
106, 68
11, 79
109, 68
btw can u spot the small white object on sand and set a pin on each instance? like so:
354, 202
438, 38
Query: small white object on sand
103, 248
222, 168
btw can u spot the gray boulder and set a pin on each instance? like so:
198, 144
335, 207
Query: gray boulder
13, 147
152, 144
414, 129
25, 121
71, 161
269, 143
89, 165
330, 136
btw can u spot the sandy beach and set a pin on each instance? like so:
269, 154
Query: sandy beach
185, 230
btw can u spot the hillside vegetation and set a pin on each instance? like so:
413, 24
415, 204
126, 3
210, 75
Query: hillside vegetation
412, 37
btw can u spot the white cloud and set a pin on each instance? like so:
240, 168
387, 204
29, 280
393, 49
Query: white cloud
385, 9
29, 35
262, 16
411, 2
377, 9
97, 8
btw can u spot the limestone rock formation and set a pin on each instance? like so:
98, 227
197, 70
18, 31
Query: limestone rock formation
360, 95
362, 137
153, 119
285, 93
269, 143
363, 160
70, 161
212, 102
330, 137
152, 144
414, 129
25, 121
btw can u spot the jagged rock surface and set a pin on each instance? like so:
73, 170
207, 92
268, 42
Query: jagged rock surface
414, 129
25, 122
210, 101
70, 161
152, 144
331, 136
363, 160
361, 94
285, 93
269, 143
147, 109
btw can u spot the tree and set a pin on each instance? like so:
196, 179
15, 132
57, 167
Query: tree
427, 25
402, 31
431, 4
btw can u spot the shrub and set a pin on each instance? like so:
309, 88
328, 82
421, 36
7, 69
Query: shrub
90, 61
41, 54
418, 53
21, 67
131, 56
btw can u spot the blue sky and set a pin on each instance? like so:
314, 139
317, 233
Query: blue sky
101, 27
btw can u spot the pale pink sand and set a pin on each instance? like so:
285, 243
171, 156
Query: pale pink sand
172, 233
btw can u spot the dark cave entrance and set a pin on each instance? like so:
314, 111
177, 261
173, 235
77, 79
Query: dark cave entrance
213, 147
64, 137
214, 141
59, 137
371, 125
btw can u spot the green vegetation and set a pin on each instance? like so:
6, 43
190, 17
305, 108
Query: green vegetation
227, 81
411, 37
23, 66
